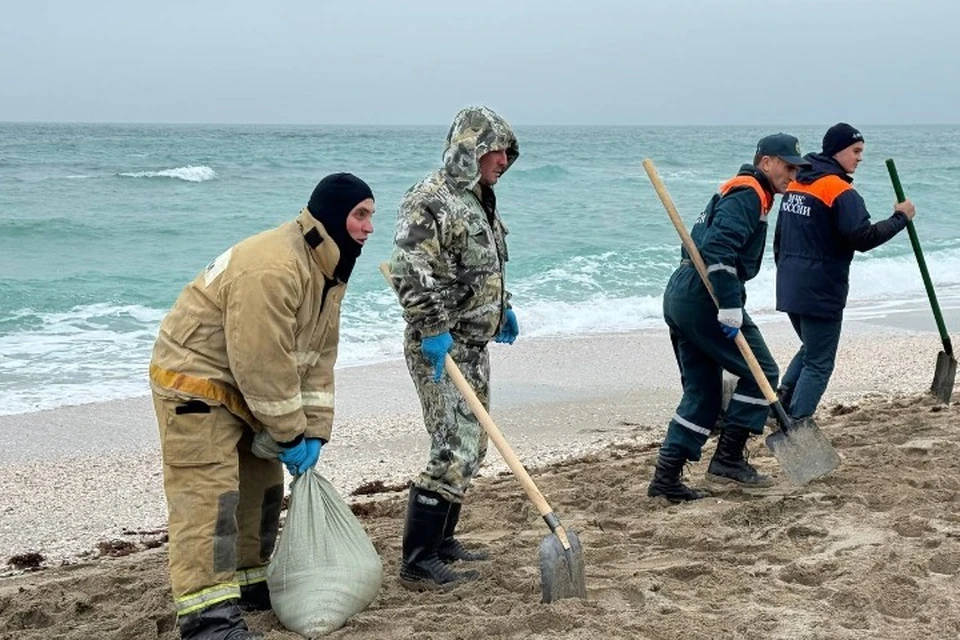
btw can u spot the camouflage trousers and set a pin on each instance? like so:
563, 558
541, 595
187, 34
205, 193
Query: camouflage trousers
458, 444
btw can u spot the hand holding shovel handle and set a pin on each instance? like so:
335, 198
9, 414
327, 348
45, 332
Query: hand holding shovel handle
697, 260
803, 451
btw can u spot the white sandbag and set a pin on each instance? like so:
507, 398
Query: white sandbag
325, 568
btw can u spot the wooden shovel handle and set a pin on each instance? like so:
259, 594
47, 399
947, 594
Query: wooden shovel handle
493, 432
697, 260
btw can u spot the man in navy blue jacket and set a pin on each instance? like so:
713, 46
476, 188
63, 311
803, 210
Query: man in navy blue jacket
730, 235
822, 221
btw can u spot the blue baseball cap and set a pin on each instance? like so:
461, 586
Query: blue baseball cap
783, 146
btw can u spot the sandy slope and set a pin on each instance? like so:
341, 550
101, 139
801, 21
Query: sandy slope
873, 550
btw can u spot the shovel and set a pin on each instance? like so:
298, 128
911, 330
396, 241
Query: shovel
802, 450
946, 371
561, 556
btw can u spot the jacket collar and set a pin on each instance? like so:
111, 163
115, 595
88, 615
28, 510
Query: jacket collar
761, 177
323, 249
820, 166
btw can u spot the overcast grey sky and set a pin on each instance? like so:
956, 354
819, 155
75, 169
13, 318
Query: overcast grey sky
537, 61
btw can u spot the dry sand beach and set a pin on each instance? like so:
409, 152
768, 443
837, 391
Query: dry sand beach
872, 550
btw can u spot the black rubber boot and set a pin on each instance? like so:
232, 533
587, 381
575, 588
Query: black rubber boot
221, 621
729, 463
452, 549
421, 567
666, 480
255, 597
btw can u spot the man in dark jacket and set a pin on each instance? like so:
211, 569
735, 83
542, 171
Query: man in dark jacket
730, 234
822, 221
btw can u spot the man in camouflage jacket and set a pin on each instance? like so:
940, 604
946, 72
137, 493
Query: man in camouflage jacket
448, 269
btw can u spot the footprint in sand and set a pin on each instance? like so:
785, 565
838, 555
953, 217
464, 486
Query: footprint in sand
898, 597
912, 527
627, 597
945, 562
804, 532
686, 571
33, 618
809, 574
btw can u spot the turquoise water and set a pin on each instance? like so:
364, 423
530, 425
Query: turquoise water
102, 225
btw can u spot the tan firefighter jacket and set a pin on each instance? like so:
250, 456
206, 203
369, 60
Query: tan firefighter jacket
257, 332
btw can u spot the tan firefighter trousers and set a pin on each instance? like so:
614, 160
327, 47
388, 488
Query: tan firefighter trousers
223, 502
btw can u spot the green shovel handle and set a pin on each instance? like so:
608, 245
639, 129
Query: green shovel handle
915, 242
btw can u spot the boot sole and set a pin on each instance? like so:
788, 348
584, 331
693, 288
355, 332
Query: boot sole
415, 584
746, 485
424, 584
448, 560
676, 500
427, 585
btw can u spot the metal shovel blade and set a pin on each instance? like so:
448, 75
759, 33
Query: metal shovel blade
561, 570
944, 377
803, 452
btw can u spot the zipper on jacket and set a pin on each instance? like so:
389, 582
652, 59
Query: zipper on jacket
491, 217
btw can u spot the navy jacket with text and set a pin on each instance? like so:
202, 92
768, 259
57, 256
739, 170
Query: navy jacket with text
822, 221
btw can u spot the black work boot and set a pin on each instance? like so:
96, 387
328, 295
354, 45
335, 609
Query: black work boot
666, 480
729, 463
221, 621
452, 549
255, 597
422, 568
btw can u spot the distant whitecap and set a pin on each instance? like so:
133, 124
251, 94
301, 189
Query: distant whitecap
189, 173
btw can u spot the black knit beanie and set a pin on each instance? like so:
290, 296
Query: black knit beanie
331, 202
839, 137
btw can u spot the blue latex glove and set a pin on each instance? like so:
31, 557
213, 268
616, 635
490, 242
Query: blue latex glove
313, 454
301, 457
436, 349
510, 330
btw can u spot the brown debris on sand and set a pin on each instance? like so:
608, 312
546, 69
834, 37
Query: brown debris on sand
29, 561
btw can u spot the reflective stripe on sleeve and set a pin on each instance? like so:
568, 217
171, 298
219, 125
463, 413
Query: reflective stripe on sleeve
317, 399
721, 267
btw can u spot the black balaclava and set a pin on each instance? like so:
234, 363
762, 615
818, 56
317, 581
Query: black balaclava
331, 202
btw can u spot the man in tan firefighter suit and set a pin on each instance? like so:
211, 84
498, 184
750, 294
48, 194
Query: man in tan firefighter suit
448, 270
249, 345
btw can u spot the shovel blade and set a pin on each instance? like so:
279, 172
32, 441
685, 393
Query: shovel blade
944, 377
803, 452
561, 570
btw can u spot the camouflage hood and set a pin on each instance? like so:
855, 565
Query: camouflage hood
474, 132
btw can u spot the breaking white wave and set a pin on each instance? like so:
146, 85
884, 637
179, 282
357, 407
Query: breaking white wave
189, 173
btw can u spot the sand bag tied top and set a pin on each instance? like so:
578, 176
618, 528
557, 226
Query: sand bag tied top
325, 568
